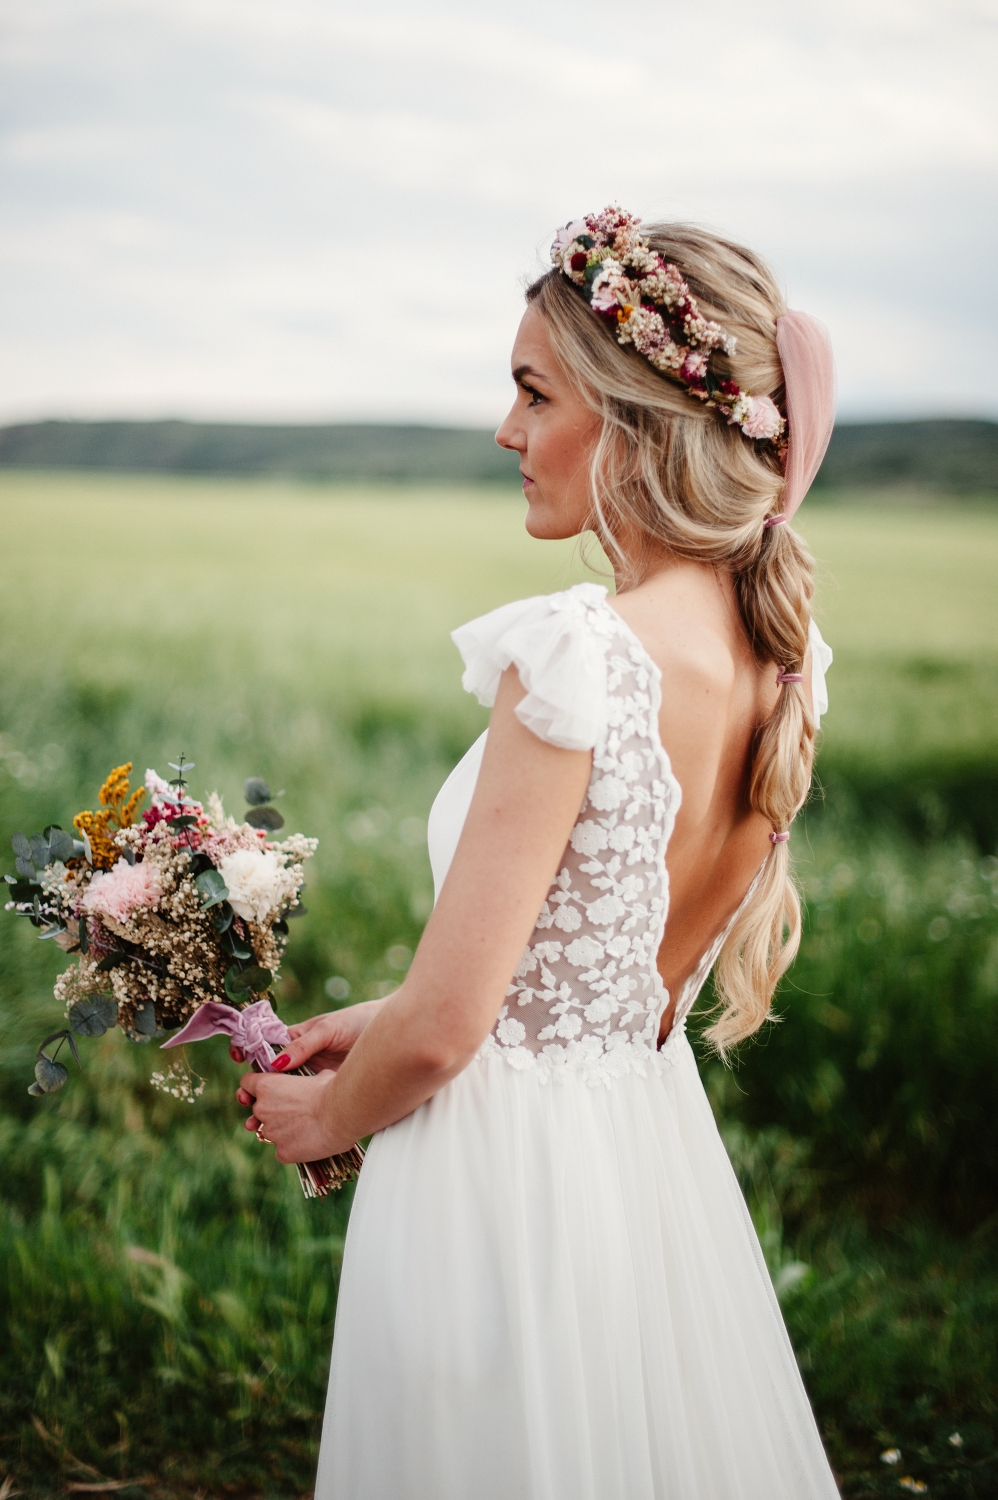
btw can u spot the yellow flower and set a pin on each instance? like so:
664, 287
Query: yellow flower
119, 811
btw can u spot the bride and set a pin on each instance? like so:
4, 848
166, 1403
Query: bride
551, 1286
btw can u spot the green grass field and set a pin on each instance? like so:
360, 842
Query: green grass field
168, 1296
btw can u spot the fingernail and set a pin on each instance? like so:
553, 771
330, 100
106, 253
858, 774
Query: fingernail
282, 1062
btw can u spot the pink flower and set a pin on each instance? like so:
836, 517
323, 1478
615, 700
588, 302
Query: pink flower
764, 420
569, 235
123, 890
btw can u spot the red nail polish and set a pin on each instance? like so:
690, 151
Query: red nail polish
282, 1062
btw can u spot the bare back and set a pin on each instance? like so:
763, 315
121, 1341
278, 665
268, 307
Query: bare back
715, 695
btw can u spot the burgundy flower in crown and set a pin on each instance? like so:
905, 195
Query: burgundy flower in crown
650, 306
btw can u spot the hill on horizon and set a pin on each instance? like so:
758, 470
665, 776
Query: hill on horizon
958, 456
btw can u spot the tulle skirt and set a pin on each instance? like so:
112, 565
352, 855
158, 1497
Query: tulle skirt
555, 1292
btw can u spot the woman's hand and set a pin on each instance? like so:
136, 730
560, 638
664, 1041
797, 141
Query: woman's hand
292, 1114
322, 1041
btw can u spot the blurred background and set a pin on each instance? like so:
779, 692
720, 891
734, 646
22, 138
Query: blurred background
262, 266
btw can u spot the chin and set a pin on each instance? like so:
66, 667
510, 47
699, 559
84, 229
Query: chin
545, 524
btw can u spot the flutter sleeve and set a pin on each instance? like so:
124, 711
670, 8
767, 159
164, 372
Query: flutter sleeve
821, 660
561, 659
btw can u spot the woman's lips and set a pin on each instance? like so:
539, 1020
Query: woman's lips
526, 477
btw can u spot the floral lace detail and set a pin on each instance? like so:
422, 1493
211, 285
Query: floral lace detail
586, 996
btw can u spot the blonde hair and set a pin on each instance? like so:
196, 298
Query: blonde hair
677, 474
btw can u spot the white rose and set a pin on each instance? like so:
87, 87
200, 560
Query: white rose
257, 882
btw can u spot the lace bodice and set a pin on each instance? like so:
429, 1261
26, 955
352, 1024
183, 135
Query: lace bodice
586, 996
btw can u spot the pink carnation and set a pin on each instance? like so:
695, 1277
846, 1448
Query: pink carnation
764, 420
123, 890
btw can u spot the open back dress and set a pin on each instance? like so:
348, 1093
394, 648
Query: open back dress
551, 1286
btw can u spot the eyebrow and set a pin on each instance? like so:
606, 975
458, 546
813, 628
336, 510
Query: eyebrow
522, 370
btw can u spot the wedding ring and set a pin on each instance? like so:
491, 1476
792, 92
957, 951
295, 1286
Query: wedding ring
264, 1139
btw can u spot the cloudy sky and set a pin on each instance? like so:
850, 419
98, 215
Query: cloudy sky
308, 210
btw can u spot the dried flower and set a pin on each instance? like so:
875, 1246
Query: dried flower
123, 889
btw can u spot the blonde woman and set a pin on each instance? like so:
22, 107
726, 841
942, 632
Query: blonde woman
551, 1286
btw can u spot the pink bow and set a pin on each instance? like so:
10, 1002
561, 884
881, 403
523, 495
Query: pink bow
256, 1030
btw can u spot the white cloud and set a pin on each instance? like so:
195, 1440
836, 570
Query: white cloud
307, 209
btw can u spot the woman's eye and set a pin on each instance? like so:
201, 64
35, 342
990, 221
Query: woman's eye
535, 396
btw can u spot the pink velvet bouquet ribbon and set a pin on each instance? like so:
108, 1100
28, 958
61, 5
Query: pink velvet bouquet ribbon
257, 1030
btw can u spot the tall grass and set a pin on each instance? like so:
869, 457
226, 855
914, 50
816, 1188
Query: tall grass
168, 1296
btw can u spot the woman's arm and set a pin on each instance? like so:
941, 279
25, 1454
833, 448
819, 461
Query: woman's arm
525, 805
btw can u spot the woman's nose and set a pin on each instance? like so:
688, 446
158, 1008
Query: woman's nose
509, 437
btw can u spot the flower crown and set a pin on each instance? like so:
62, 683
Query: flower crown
651, 307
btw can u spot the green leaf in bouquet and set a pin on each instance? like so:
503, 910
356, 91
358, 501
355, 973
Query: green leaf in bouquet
256, 791
26, 868
112, 961
235, 945
185, 821
295, 911
93, 1015
49, 1075
56, 930
265, 817
39, 851
83, 934
145, 1019
253, 978
20, 846
211, 887
62, 845
222, 917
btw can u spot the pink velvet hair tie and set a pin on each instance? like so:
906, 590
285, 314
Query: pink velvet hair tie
778, 838
790, 677
774, 521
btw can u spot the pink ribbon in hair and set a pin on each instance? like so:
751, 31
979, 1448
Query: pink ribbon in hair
778, 838
790, 677
256, 1030
809, 378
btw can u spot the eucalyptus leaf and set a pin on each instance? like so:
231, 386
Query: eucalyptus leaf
295, 911
265, 817
112, 961
36, 1090
39, 850
253, 978
145, 1019
186, 820
20, 846
93, 1015
256, 791
56, 930
25, 867
212, 888
234, 945
74, 1048
222, 917
61, 846
49, 1074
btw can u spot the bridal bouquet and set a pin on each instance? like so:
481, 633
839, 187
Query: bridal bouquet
178, 917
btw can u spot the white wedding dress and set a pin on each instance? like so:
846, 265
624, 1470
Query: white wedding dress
551, 1288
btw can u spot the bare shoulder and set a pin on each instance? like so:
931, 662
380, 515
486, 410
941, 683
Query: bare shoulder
687, 620
713, 693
